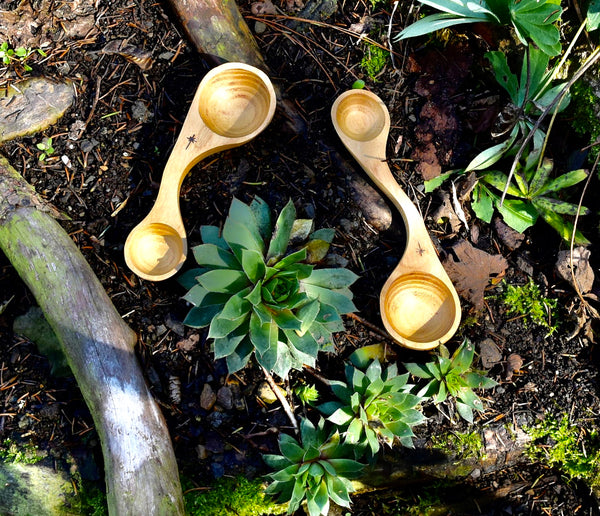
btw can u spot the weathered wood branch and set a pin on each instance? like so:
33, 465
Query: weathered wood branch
139, 462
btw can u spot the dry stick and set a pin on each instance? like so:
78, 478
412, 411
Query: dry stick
586, 305
284, 402
321, 24
584, 68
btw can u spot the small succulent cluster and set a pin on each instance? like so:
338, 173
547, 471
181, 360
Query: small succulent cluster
454, 378
316, 469
260, 296
374, 406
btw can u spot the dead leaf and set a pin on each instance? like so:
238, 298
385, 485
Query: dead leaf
189, 344
582, 270
489, 353
510, 238
263, 7
473, 270
513, 363
446, 212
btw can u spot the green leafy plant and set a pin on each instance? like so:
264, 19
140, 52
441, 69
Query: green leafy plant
26, 453
453, 378
533, 195
10, 55
46, 147
374, 60
228, 496
529, 94
374, 406
259, 296
532, 20
307, 393
567, 447
527, 301
316, 470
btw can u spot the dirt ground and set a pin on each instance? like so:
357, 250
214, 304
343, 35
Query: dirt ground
116, 140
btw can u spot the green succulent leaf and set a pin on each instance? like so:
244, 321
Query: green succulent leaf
464, 411
262, 215
253, 265
338, 299
281, 236
221, 327
226, 281
201, 317
240, 356
214, 257
331, 278
188, 279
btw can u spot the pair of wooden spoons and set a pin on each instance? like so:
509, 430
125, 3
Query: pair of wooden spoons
233, 104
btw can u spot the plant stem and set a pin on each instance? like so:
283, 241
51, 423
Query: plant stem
590, 60
282, 399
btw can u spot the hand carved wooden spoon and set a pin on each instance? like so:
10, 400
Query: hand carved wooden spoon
232, 105
419, 305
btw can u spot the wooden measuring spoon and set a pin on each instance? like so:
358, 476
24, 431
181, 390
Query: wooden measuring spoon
233, 103
419, 305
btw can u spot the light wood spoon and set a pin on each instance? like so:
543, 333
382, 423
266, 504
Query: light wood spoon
233, 103
419, 305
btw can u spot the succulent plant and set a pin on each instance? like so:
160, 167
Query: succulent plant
453, 378
316, 470
375, 406
259, 295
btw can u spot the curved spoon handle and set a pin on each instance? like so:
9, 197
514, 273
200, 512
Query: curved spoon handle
420, 250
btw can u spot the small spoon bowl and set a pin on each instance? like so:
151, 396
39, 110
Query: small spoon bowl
418, 302
233, 103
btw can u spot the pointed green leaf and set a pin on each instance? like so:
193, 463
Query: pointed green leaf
225, 281
211, 256
201, 317
262, 215
221, 327
463, 357
188, 279
483, 203
212, 235
290, 259
225, 346
518, 214
240, 357
307, 314
281, 234
236, 306
338, 300
253, 265
262, 335
564, 181
195, 295
255, 295
498, 180
561, 207
331, 278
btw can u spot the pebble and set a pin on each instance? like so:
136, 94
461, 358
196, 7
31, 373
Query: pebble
265, 393
208, 398
225, 397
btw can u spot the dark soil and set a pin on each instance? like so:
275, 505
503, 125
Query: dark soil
439, 98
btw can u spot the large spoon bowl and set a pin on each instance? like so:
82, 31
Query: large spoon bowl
418, 302
233, 103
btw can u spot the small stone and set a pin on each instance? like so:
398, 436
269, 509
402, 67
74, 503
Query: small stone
140, 112
208, 398
202, 452
225, 397
265, 393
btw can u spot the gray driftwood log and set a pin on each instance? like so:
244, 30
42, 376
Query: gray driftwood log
140, 467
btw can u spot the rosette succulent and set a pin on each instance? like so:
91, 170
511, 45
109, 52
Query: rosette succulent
453, 378
374, 406
260, 296
316, 470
